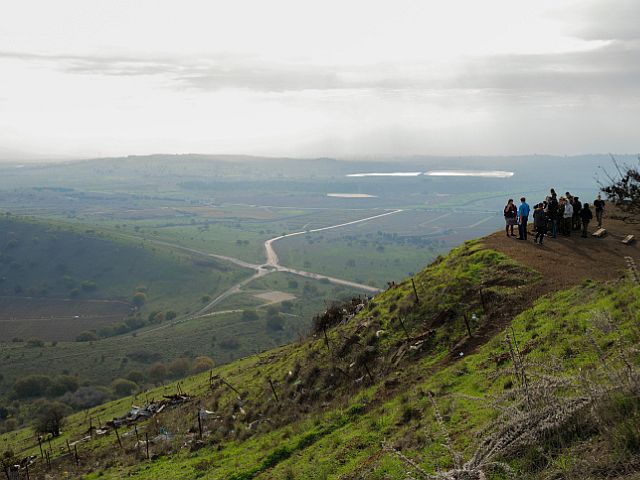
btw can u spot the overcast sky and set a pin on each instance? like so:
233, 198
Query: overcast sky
341, 78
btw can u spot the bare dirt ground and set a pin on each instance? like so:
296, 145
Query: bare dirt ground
567, 261
275, 296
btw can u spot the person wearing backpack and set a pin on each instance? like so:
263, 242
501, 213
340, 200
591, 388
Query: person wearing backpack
510, 216
539, 223
577, 208
585, 216
552, 213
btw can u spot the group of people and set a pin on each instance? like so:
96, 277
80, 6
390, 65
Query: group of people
554, 215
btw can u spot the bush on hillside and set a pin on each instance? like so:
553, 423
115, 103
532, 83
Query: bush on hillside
136, 376
179, 367
123, 387
86, 397
202, 364
61, 385
87, 336
31, 386
249, 315
35, 342
158, 372
49, 417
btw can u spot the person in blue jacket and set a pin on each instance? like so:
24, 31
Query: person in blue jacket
523, 218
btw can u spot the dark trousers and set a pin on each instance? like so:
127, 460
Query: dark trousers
554, 227
599, 217
540, 233
522, 229
585, 225
566, 226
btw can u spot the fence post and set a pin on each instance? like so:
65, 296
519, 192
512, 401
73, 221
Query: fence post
415, 291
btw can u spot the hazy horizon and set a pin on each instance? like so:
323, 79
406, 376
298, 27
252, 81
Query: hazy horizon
89, 79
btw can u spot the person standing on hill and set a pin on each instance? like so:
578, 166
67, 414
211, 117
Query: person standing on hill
523, 218
552, 213
577, 208
585, 216
539, 223
567, 218
598, 203
510, 216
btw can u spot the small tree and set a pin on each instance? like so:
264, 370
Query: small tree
139, 299
202, 364
179, 367
87, 336
158, 372
49, 417
623, 189
31, 386
249, 315
123, 387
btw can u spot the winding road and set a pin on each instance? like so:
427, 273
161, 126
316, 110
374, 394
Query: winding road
272, 265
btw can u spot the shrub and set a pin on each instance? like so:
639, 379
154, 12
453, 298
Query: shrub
61, 385
179, 367
35, 343
136, 376
139, 299
202, 364
170, 315
158, 372
275, 323
86, 397
31, 386
123, 387
49, 417
249, 315
88, 286
87, 336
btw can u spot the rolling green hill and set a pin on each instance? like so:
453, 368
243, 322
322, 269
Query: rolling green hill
461, 372
39, 259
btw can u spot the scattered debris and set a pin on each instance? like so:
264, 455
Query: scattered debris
629, 239
599, 233
140, 413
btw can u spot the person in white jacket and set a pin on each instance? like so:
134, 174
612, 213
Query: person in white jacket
566, 216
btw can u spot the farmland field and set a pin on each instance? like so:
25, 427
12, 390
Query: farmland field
57, 319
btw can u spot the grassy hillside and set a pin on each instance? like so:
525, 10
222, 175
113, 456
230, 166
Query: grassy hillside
536, 390
44, 260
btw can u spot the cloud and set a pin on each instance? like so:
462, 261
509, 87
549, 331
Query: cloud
610, 68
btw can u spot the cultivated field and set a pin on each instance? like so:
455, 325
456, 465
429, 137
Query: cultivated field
57, 319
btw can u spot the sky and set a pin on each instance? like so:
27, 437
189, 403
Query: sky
353, 78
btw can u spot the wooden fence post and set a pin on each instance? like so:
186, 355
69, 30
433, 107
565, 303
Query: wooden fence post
415, 291
466, 322
118, 437
273, 389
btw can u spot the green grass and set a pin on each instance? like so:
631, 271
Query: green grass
338, 431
